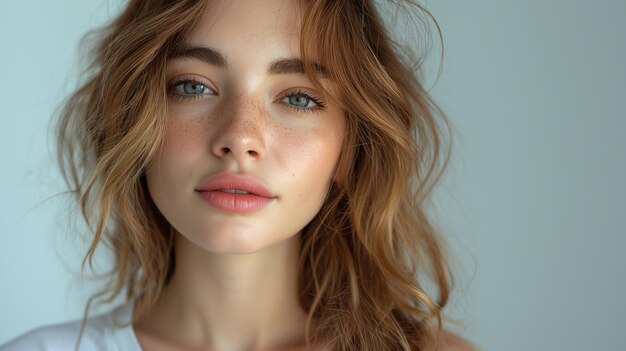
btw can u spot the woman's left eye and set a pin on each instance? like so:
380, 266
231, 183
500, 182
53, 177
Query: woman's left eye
302, 101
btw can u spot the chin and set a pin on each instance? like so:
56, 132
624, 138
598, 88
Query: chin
232, 239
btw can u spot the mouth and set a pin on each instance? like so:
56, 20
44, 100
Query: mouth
235, 183
235, 193
235, 201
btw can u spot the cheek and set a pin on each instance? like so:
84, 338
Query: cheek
308, 159
183, 145
184, 135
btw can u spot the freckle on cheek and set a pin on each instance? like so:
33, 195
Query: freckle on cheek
182, 135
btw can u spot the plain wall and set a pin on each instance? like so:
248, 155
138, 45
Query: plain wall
533, 202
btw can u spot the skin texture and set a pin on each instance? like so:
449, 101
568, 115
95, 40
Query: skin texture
234, 287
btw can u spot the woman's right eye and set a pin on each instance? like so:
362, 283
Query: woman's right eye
190, 89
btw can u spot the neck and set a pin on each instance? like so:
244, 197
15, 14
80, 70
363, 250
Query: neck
231, 302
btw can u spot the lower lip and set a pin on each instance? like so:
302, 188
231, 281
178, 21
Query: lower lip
235, 203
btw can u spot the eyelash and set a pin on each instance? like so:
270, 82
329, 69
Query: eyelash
321, 105
307, 95
181, 97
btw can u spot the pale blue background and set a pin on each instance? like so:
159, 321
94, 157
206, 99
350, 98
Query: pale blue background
533, 203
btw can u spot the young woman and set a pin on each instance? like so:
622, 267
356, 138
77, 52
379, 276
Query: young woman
260, 170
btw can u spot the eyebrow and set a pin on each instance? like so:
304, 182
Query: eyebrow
208, 55
216, 58
293, 66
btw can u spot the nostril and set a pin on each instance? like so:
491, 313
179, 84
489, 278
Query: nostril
253, 153
225, 150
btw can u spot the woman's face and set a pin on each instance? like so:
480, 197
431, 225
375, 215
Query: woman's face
242, 115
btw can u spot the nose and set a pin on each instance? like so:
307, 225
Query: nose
239, 134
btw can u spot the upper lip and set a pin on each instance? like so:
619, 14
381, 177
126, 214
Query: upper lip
227, 181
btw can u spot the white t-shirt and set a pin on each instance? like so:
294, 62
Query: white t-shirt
101, 332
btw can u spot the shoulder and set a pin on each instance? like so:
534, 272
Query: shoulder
453, 342
59, 337
97, 335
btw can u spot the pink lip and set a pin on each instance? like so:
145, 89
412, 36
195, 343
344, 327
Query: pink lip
211, 191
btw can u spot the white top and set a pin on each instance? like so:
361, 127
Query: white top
101, 332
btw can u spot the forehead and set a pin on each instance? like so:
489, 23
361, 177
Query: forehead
254, 28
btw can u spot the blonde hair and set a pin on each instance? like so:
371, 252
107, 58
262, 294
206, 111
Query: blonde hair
363, 253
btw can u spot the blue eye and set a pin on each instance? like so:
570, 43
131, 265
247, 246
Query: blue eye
300, 100
303, 102
191, 88
186, 88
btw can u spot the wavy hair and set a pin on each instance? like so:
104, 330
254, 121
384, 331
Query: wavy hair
367, 254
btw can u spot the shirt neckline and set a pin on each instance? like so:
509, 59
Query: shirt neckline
125, 337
